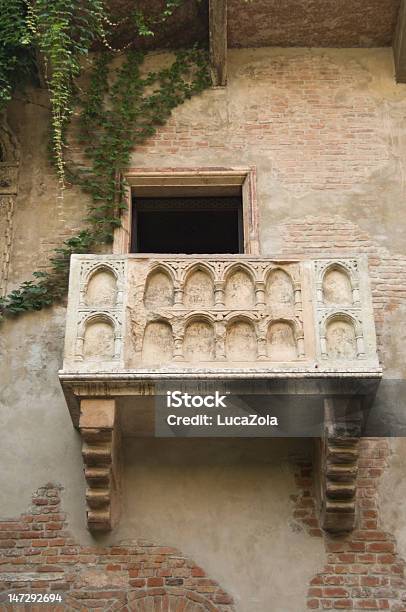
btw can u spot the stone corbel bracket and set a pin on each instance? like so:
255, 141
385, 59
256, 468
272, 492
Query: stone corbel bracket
338, 464
101, 455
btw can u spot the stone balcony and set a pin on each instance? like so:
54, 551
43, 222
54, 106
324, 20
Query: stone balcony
297, 326
236, 315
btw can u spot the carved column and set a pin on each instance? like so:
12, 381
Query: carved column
338, 464
101, 449
260, 294
219, 293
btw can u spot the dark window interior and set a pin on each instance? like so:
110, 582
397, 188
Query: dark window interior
188, 225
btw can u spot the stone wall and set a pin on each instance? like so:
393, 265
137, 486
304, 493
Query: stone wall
325, 130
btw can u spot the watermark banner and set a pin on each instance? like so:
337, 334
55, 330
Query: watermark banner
213, 409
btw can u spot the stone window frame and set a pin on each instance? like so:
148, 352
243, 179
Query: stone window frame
165, 182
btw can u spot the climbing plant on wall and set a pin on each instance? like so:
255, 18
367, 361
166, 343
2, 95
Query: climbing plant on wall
119, 109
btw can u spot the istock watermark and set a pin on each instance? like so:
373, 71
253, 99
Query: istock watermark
178, 399
196, 408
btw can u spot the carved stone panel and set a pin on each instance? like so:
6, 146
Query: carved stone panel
281, 342
101, 290
199, 342
337, 287
199, 290
344, 315
341, 342
279, 290
239, 291
226, 312
241, 342
158, 290
158, 343
99, 341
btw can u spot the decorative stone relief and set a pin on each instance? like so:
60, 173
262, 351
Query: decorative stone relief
224, 312
101, 289
239, 290
340, 338
99, 341
89, 268
279, 289
158, 343
281, 342
199, 290
337, 287
216, 310
340, 309
158, 291
199, 342
100, 310
241, 342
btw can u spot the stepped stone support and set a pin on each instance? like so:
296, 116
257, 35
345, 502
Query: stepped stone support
100, 451
339, 464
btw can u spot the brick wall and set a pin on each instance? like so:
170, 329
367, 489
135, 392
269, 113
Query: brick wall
311, 115
363, 570
38, 555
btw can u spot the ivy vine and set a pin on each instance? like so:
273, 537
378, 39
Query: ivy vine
119, 110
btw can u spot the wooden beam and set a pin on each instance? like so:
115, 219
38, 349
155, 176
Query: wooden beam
399, 45
218, 42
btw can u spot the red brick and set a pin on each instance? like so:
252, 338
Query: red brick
381, 547
155, 582
343, 604
334, 592
367, 604
138, 583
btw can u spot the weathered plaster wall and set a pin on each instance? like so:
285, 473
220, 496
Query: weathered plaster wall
227, 503
325, 129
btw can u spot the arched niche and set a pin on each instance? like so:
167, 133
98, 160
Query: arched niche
281, 343
198, 344
241, 341
199, 290
157, 347
98, 340
279, 289
158, 290
341, 341
102, 289
239, 290
337, 287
